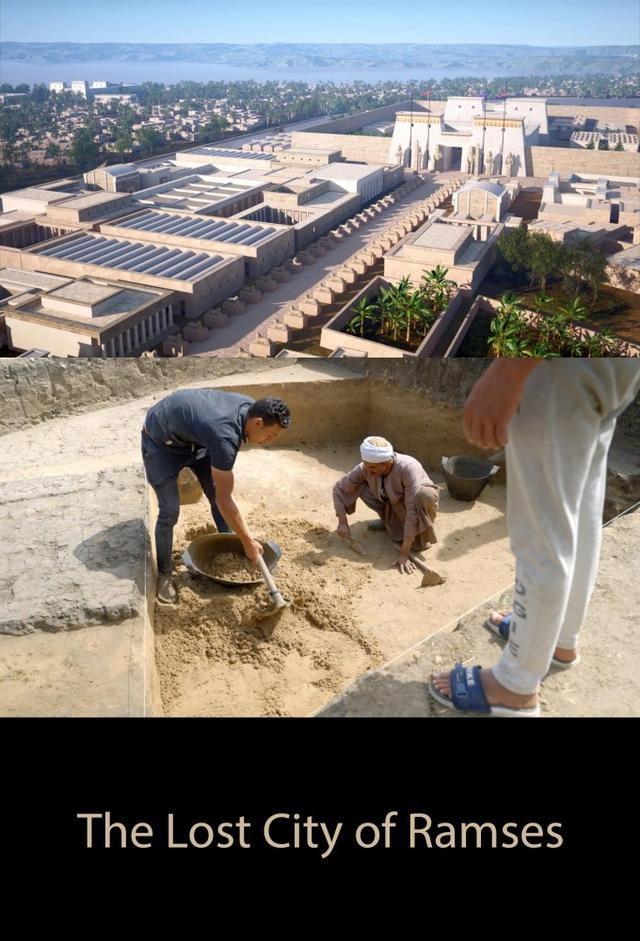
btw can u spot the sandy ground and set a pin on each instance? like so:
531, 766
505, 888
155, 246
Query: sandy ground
350, 612
605, 683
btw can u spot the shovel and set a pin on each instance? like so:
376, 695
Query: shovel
429, 577
279, 601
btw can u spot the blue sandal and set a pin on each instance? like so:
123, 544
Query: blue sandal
468, 696
502, 630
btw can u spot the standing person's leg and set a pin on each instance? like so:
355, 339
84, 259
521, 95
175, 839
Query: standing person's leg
556, 457
168, 513
589, 539
589, 544
554, 442
162, 469
202, 470
556, 467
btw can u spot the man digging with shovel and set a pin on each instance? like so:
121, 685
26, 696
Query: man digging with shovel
203, 429
397, 487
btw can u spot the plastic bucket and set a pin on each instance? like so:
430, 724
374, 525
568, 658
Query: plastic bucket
466, 477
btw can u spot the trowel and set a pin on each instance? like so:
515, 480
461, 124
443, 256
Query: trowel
429, 577
349, 542
353, 545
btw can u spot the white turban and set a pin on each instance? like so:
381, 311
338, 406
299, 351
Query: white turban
376, 450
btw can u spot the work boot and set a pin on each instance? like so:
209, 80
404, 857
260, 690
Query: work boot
166, 591
376, 526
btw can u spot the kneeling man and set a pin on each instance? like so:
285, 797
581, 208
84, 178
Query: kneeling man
400, 491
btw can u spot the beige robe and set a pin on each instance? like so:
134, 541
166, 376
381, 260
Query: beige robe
411, 503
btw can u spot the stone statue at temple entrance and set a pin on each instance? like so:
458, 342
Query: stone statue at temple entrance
508, 165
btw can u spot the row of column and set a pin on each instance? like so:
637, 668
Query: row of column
25, 236
139, 334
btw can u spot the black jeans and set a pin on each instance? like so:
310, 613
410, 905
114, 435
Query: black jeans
162, 465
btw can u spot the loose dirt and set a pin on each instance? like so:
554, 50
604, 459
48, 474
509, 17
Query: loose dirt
239, 663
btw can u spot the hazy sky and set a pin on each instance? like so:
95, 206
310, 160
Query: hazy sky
531, 22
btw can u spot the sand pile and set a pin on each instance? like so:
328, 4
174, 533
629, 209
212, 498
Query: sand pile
231, 565
216, 655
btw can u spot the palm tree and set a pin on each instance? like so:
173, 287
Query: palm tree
363, 313
395, 320
385, 306
542, 301
604, 344
438, 275
507, 330
438, 287
413, 308
505, 336
574, 310
510, 303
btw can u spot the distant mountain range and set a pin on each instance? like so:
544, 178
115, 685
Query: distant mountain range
459, 60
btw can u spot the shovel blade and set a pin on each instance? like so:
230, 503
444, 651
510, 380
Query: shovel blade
280, 603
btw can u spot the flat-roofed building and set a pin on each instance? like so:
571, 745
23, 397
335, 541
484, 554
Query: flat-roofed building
586, 198
311, 206
567, 231
36, 199
120, 178
484, 200
210, 194
200, 278
131, 177
364, 179
225, 157
17, 281
87, 317
465, 249
88, 207
309, 156
122, 98
19, 229
623, 270
261, 246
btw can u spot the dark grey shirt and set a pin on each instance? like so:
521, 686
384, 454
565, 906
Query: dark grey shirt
206, 418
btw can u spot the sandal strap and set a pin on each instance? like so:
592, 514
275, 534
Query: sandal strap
466, 689
505, 626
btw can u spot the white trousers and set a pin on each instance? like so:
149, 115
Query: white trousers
556, 478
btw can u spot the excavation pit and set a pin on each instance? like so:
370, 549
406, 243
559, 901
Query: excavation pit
351, 611
80, 633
